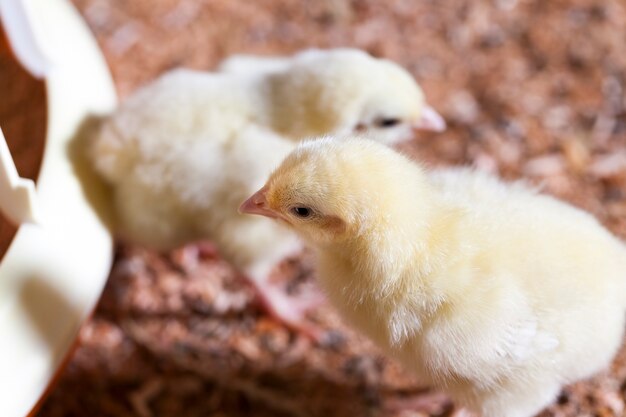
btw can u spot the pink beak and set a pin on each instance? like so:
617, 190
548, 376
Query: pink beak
257, 204
430, 120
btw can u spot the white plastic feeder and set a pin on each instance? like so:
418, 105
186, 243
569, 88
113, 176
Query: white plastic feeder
57, 263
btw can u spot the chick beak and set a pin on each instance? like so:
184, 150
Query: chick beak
430, 120
257, 204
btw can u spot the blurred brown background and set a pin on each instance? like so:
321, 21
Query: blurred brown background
23, 123
531, 89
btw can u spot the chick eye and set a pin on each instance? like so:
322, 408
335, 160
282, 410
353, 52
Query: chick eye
302, 212
388, 122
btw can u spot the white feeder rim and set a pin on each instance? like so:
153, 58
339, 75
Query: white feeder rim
56, 266
18, 201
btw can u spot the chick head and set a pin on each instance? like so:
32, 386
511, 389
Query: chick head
344, 91
330, 190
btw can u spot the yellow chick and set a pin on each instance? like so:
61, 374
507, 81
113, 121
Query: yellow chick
489, 291
369, 99
184, 151
364, 117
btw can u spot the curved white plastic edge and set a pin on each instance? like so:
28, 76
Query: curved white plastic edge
53, 273
18, 200
17, 19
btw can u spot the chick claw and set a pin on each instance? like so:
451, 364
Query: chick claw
428, 402
289, 310
188, 257
284, 308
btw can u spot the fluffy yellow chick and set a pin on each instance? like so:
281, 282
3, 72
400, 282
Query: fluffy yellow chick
184, 151
257, 65
369, 100
489, 291
383, 125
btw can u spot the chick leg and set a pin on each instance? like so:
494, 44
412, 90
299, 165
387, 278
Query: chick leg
430, 402
286, 309
273, 298
188, 257
462, 412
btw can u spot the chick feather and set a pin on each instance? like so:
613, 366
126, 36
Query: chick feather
250, 64
493, 292
183, 151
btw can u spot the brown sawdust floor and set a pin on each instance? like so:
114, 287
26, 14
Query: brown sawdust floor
531, 89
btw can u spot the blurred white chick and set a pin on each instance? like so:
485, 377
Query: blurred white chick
183, 152
384, 115
254, 64
489, 291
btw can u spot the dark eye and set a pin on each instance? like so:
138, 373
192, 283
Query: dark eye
302, 212
388, 122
